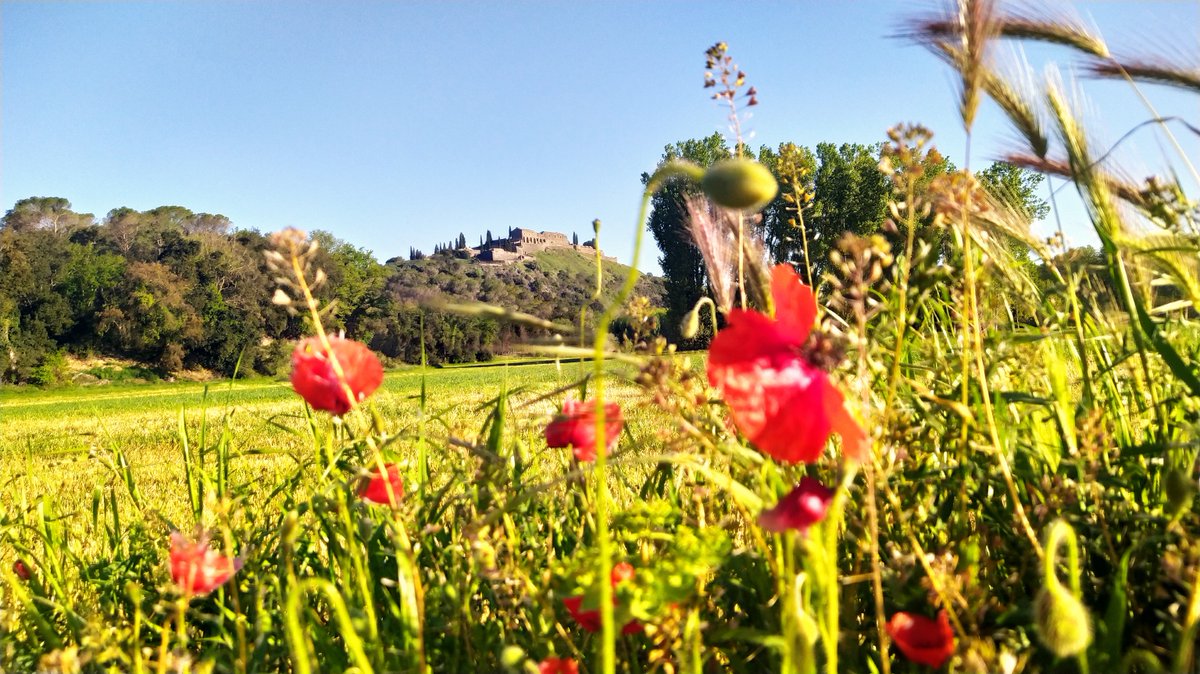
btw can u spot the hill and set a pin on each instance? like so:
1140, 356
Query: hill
554, 284
168, 291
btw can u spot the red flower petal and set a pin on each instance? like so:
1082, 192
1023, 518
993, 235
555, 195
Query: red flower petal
777, 403
588, 620
803, 507
621, 572
795, 305
375, 487
198, 569
782, 403
576, 428
749, 336
855, 445
920, 639
315, 379
558, 666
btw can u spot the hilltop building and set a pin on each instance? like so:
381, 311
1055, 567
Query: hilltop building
521, 243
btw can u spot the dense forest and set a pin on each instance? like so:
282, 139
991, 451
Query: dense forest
176, 290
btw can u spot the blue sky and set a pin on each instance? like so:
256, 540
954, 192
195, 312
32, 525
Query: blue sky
397, 124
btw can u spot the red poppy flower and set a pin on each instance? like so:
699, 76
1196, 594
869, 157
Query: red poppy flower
590, 620
22, 570
920, 639
198, 569
558, 666
576, 428
803, 507
315, 379
374, 487
779, 400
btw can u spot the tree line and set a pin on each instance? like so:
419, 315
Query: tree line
823, 193
174, 290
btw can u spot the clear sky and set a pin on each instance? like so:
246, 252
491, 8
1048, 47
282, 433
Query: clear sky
397, 124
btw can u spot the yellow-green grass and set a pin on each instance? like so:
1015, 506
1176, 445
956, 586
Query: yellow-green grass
62, 444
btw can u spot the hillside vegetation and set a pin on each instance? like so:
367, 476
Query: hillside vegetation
174, 290
557, 285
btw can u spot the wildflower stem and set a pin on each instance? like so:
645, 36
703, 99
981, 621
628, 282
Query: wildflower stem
741, 259
910, 225
976, 347
808, 276
1185, 653
877, 568
608, 641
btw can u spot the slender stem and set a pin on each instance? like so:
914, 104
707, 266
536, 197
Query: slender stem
975, 346
1072, 298
741, 259
1191, 624
608, 640
902, 288
808, 277
877, 569
608, 652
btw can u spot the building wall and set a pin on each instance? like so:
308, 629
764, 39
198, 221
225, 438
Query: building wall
521, 243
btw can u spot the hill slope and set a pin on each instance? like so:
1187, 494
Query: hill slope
555, 285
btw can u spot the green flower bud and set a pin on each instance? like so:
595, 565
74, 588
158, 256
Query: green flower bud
691, 323
1062, 622
512, 657
742, 184
1180, 489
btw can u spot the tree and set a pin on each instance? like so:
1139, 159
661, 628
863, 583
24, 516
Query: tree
575, 238
850, 194
207, 223
357, 282
684, 274
51, 213
1015, 186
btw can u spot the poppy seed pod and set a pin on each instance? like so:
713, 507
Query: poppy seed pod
1063, 624
740, 184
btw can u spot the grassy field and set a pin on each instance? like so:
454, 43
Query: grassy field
61, 442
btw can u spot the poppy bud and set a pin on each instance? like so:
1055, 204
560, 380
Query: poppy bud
1063, 624
512, 657
741, 184
1180, 489
691, 323
1062, 621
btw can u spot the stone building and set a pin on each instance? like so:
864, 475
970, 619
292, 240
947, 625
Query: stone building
521, 243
